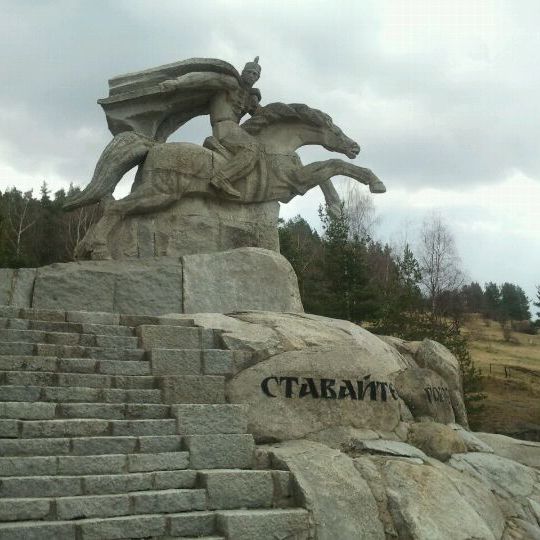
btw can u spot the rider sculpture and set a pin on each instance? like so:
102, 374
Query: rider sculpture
227, 107
248, 163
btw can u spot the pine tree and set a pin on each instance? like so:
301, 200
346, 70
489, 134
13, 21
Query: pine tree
302, 247
344, 265
473, 297
514, 303
492, 301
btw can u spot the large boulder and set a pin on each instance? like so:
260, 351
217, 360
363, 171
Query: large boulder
299, 392
432, 355
524, 452
307, 374
311, 373
436, 440
516, 486
231, 280
426, 394
432, 502
389, 491
333, 489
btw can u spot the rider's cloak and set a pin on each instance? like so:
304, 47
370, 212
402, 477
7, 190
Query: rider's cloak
138, 103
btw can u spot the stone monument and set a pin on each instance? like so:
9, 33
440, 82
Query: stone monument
222, 195
172, 386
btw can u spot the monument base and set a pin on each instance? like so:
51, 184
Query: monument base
189, 226
220, 282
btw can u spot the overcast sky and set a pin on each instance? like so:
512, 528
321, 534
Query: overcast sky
442, 95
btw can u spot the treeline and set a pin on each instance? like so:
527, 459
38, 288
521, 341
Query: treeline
35, 231
345, 273
506, 302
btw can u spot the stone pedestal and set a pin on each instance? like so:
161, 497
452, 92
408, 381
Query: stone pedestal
215, 282
189, 226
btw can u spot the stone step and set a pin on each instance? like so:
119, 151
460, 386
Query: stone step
188, 389
150, 526
191, 525
22, 378
21, 348
177, 337
154, 320
72, 327
92, 427
68, 338
264, 524
70, 394
24, 410
191, 537
235, 488
90, 317
92, 464
191, 361
74, 365
102, 506
70, 486
220, 451
81, 446
206, 419
91, 506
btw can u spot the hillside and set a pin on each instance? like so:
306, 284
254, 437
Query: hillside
511, 370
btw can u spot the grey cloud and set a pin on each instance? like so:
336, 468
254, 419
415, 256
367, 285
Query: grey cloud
58, 55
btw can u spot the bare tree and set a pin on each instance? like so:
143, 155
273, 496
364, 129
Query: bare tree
439, 262
78, 222
360, 212
18, 218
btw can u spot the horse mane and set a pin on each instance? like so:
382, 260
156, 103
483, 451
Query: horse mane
279, 112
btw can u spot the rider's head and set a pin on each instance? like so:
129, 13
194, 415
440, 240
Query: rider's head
251, 72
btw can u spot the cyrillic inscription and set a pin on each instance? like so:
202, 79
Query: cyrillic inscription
437, 394
301, 387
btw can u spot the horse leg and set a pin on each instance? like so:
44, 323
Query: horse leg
320, 172
331, 196
140, 203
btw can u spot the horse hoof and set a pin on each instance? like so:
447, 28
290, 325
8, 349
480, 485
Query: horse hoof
377, 187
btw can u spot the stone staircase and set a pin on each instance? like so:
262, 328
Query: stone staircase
116, 426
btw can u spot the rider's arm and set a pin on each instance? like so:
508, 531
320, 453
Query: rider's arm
254, 101
200, 81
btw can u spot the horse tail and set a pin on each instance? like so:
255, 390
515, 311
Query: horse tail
124, 152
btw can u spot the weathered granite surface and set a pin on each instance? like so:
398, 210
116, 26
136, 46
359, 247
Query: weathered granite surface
195, 283
189, 226
305, 374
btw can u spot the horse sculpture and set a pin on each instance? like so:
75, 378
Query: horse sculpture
169, 172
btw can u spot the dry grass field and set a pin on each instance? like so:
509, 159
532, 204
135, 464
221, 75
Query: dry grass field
511, 370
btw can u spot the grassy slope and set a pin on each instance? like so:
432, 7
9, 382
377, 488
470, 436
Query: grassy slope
513, 398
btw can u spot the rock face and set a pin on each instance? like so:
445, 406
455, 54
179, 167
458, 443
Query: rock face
398, 467
303, 375
344, 468
219, 282
299, 392
438, 358
433, 402
231, 281
322, 476
436, 440
190, 226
